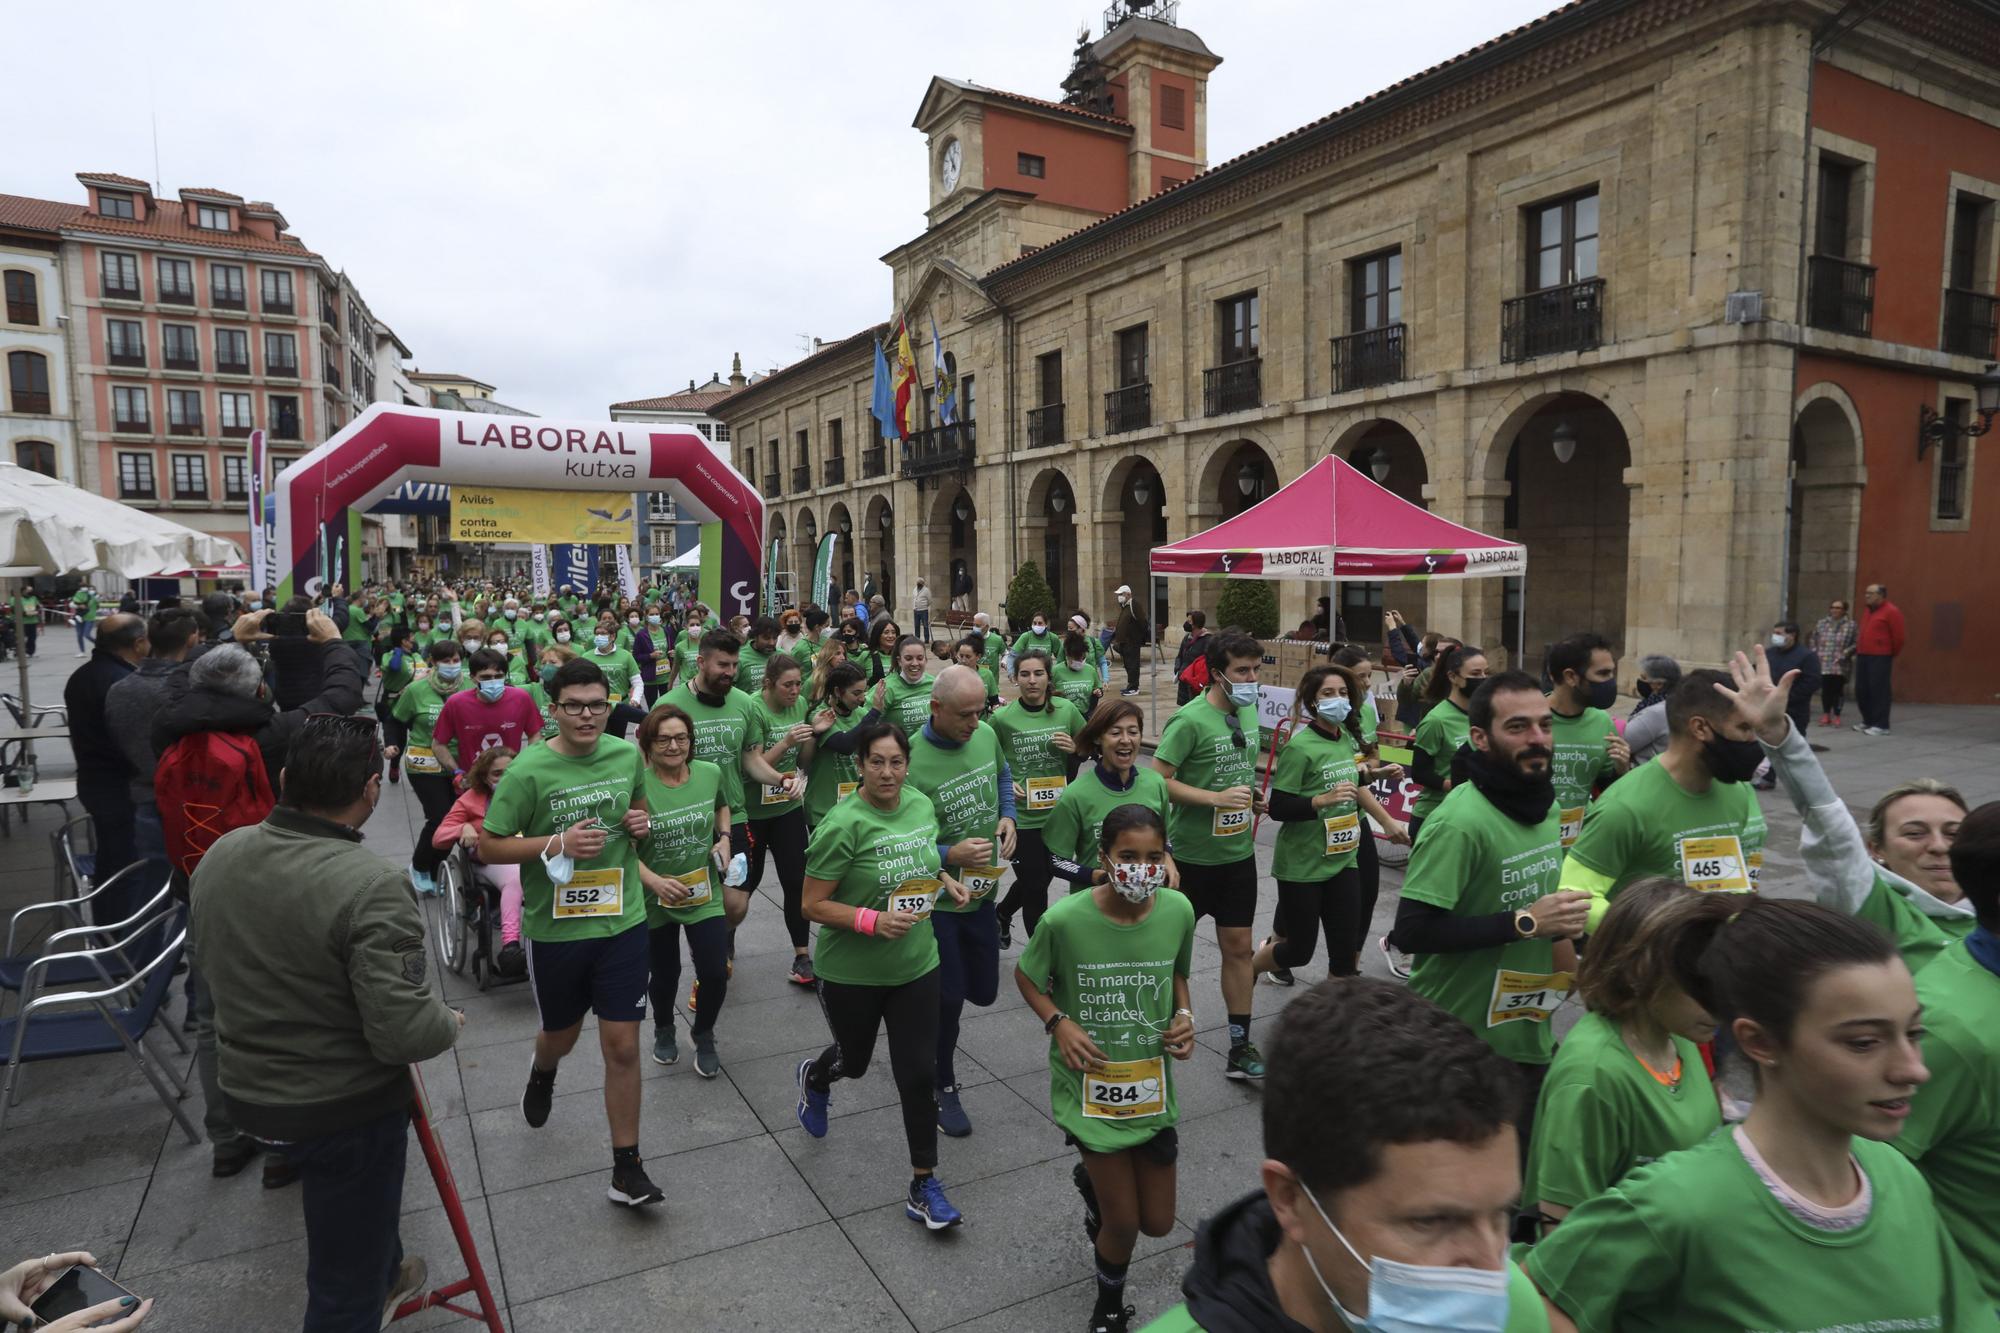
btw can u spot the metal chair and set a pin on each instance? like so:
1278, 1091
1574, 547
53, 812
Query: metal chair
75, 846
116, 898
31, 716
85, 1022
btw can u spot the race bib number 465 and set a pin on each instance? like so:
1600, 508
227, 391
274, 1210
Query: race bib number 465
1715, 865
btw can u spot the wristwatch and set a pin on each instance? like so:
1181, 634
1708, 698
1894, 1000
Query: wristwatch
1054, 1018
1524, 925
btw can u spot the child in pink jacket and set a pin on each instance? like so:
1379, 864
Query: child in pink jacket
461, 825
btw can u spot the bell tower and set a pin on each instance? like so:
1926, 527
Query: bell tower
1148, 70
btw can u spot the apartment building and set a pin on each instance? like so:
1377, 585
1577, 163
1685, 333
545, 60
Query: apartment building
665, 534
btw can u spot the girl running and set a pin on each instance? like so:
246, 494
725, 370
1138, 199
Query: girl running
1111, 737
904, 697
778, 727
687, 845
1445, 727
1038, 734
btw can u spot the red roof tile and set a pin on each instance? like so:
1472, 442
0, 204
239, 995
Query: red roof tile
26, 214
687, 400
1062, 108
113, 178
168, 222
203, 189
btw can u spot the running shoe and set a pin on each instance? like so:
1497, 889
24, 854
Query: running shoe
1126, 694
928, 1205
1398, 962
539, 1096
1119, 1321
1092, 1219
951, 1118
1278, 976
666, 1047
631, 1188
411, 1276
1826, 719
1006, 928
705, 1061
395, 772
802, 973
1245, 1062
423, 883
512, 960
812, 1105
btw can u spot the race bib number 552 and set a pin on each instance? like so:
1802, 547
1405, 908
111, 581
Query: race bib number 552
591, 893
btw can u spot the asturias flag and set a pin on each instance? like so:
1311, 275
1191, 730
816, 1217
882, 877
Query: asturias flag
882, 405
906, 382
947, 402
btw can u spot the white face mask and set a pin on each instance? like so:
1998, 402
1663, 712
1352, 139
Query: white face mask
1136, 881
560, 867
1779, 640
471, 646
1415, 1298
562, 636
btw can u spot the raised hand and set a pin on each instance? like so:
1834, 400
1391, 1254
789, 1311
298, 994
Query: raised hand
1756, 698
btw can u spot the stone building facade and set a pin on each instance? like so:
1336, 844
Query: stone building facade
1559, 288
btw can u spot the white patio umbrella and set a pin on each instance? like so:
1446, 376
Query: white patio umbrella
51, 527
688, 559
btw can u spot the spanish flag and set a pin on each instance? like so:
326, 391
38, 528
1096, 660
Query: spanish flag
905, 382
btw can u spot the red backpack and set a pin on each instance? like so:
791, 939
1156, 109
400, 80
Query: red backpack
208, 783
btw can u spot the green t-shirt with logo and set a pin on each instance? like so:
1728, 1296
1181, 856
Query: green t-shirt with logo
1037, 767
992, 651
1311, 850
767, 725
547, 707
1046, 641
719, 734
1473, 860
396, 601
963, 783
418, 707
1602, 1114
1919, 938
1525, 1311
1206, 752
875, 856
1116, 979
750, 666
543, 791
1953, 1133
1581, 760
1076, 683
1643, 822
396, 679
620, 669
1697, 1241
1439, 734
805, 651
907, 705
682, 841
831, 770
1076, 823
687, 650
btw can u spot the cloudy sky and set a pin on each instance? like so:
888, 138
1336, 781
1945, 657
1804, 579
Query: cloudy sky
590, 202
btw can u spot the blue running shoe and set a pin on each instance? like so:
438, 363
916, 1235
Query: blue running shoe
812, 1105
423, 883
951, 1117
928, 1205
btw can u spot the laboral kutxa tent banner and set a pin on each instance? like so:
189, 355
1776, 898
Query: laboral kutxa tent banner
388, 445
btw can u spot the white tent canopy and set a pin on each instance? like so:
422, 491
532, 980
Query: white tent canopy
688, 559
50, 527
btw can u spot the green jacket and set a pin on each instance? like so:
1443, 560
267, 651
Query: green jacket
313, 949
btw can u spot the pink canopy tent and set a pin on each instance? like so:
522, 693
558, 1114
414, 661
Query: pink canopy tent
1333, 523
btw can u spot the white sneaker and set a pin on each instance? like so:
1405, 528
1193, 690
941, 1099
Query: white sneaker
1398, 961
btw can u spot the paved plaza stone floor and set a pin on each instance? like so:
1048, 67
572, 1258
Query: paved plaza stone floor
763, 1227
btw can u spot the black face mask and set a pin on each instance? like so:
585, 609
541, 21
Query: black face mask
1187, 627
1643, 688
1601, 693
1522, 797
1731, 761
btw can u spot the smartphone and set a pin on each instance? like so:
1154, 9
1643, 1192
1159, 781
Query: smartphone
78, 1288
286, 624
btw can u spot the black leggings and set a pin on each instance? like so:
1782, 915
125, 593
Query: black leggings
393, 732
434, 792
708, 942
855, 1014
1368, 861
785, 839
1029, 893
1832, 694
1305, 907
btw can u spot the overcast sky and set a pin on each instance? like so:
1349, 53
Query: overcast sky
586, 203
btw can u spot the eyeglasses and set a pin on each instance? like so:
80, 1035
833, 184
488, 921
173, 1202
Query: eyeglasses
596, 708
665, 742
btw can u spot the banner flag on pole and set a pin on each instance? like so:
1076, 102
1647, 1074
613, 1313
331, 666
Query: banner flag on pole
539, 563
628, 580
882, 402
771, 580
260, 553
906, 382
947, 402
822, 590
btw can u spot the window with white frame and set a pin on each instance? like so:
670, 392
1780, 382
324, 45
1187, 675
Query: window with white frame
210, 218
235, 477
190, 477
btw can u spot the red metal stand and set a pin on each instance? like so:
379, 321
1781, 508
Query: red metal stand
474, 1281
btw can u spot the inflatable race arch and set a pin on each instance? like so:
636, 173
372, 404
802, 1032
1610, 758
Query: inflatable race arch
319, 498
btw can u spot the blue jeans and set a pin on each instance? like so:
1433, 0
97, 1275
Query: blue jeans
86, 631
353, 1187
968, 945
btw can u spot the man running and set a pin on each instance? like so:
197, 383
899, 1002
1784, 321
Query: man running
1588, 751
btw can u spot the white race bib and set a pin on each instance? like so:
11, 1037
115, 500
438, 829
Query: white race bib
591, 893
915, 896
1126, 1090
774, 794
1572, 824
843, 791
700, 891
421, 759
981, 880
1715, 865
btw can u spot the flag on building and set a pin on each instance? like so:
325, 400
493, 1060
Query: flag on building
882, 403
941, 385
906, 382
822, 592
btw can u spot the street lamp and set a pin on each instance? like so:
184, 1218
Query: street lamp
1248, 479
1141, 492
1936, 428
888, 518
960, 509
1058, 501
1378, 465
846, 525
1564, 440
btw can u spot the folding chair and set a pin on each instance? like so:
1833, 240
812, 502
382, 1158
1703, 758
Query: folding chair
84, 1022
31, 716
75, 846
72, 913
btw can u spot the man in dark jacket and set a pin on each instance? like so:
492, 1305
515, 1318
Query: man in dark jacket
1426, 1130
1788, 652
101, 779
129, 710
1193, 645
1128, 637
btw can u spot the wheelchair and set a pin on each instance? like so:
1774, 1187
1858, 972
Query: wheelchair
465, 916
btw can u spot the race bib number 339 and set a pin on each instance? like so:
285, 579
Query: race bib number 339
916, 896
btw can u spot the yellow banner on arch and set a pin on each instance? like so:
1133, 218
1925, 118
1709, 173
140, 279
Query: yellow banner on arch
485, 514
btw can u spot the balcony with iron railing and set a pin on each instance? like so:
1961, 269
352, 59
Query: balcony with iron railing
941, 449
34, 402
228, 299
874, 462
285, 426
176, 295
774, 485
1045, 425
331, 376
282, 369
185, 426
1129, 408
1569, 318
272, 305
1970, 320
802, 478
118, 291
1368, 357
225, 366
1237, 386
1840, 295
125, 356
834, 471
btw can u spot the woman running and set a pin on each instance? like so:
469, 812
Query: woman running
1803, 1216
779, 728
872, 877
688, 843
836, 772
1111, 738
1368, 858
1628, 1085
1038, 732
1318, 798
881, 656
549, 661
1076, 675
1107, 975
461, 825
1445, 727
904, 697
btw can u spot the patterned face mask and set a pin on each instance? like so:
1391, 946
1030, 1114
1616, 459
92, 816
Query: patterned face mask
1136, 881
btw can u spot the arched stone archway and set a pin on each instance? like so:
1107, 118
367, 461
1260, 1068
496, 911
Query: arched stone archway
847, 565
1503, 425
878, 530
950, 539
1048, 531
1132, 511
1387, 452
1825, 501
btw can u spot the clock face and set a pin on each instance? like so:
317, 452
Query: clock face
950, 162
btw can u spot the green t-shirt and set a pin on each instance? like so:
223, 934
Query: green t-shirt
547, 707
1475, 861
872, 856
1311, 850
805, 651
1076, 684
1525, 1312
907, 705
719, 734
1206, 752
682, 840
544, 790
1582, 760
1075, 824
1037, 767
834, 775
356, 628
1953, 1133
687, 650
767, 725
620, 668
395, 681
1116, 980
1601, 1114
1918, 938
1047, 641
1439, 734
1697, 1241
418, 706
1642, 822
963, 783
396, 601
750, 666
992, 651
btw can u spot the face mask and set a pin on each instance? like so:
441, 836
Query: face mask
559, 867
256, 606
1187, 627
471, 646
1242, 692
652, 620
1643, 688
1334, 710
540, 616
1601, 693
978, 632
498, 645
448, 671
562, 636
1779, 641
489, 690
1412, 1298
423, 627
1136, 881
602, 641
1041, 628
513, 613
1731, 761
548, 674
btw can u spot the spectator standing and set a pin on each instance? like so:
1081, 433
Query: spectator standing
101, 779
961, 586
1646, 729
130, 706
322, 1002
1194, 628
1877, 644
1787, 653
1833, 640
1128, 636
28, 618
920, 610
83, 616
